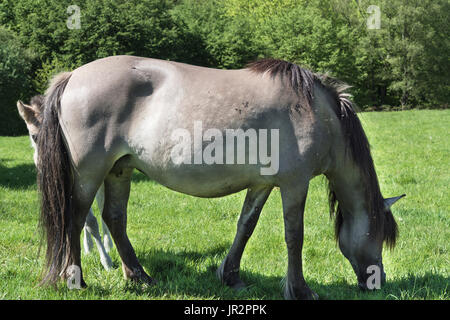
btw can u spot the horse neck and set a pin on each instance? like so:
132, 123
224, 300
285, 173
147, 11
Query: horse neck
348, 184
356, 192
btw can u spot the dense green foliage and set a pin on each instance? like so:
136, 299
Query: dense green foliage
403, 63
15, 67
181, 240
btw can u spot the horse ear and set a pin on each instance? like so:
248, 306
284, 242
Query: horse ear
388, 202
27, 113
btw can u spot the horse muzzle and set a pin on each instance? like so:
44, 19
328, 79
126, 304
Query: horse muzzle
373, 279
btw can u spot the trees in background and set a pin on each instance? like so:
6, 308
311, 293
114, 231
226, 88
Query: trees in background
106, 27
15, 80
416, 38
404, 62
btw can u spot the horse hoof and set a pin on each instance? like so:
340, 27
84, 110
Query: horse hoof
230, 279
146, 280
137, 275
303, 293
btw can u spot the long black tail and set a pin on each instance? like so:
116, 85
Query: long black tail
55, 184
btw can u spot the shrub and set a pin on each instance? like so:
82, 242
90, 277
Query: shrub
15, 82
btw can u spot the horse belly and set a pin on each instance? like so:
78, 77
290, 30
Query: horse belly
202, 180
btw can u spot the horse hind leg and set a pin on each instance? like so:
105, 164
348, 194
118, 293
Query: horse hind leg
117, 191
228, 272
83, 196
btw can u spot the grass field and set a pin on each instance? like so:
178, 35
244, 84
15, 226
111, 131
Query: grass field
181, 240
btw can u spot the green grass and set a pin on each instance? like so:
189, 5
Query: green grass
180, 240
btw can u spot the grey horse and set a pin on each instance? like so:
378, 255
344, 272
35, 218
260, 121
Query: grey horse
113, 115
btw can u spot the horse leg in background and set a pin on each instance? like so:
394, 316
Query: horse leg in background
87, 239
91, 228
100, 197
117, 191
293, 199
107, 241
228, 272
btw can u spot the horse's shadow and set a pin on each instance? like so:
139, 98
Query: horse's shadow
23, 176
18, 177
192, 275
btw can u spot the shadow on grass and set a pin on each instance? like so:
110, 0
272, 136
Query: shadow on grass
19, 177
193, 275
24, 175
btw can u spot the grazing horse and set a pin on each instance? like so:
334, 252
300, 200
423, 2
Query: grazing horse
113, 115
32, 115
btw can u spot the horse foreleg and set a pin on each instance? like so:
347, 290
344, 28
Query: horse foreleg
228, 271
294, 199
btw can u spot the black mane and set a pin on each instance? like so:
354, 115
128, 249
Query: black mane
301, 80
382, 223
